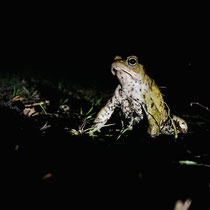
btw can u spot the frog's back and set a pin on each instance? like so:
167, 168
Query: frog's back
156, 97
158, 100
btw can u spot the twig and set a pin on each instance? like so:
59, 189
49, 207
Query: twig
172, 122
45, 126
197, 103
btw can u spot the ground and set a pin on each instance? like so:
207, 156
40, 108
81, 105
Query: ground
45, 147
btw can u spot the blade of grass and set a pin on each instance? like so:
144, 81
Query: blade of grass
98, 101
174, 126
81, 111
43, 109
89, 111
14, 91
193, 163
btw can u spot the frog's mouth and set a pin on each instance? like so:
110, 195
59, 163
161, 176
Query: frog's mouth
132, 74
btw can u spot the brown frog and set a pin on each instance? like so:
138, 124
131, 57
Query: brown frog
138, 95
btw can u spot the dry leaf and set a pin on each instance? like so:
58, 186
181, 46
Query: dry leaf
45, 127
29, 112
18, 98
47, 176
182, 205
17, 147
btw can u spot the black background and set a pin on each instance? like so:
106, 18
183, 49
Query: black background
79, 42
174, 52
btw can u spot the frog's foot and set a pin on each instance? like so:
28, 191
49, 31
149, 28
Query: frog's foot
96, 128
180, 124
153, 130
91, 134
174, 126
90, 131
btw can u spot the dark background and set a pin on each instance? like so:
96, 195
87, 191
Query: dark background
79, 42
174, 54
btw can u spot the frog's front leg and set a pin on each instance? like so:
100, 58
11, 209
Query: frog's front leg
133, 111
138, 107
105, 113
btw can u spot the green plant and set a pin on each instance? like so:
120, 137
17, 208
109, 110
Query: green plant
43, 109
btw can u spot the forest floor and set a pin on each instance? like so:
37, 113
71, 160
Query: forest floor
44, 145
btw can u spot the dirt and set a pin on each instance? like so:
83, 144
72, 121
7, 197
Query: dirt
40, 151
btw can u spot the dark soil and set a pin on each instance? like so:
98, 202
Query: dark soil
42, 158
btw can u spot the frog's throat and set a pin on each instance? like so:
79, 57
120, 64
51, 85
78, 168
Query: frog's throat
132, 74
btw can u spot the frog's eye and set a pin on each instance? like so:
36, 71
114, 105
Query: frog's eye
132, 61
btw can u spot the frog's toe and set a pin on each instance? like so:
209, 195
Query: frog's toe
93, 129
182, 125
153, 131
91, 134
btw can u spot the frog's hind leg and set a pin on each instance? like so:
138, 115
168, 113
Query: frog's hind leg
153, 129
174, 125
180, 124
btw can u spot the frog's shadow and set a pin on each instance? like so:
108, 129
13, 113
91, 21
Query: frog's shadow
138, 131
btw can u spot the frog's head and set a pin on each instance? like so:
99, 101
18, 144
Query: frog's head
128, 69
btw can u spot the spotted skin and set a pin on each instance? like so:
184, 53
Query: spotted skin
138, 96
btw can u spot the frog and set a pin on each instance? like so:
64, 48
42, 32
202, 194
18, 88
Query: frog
138, 97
